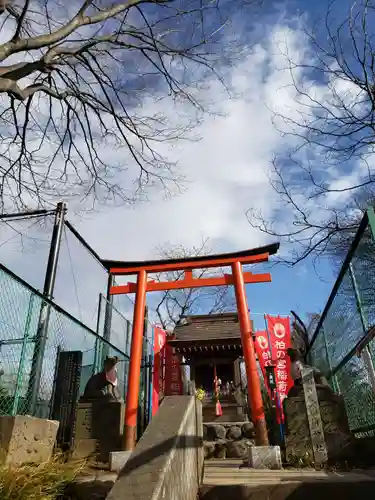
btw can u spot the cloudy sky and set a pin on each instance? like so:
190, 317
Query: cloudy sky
227, 172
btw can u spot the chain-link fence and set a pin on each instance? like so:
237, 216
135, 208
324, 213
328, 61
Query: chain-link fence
21, 308
113, 325
27, 388
342, 346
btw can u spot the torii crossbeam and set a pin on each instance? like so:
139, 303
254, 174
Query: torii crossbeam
238, 278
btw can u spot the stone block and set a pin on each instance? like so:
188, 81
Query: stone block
118, 459
220, 448
234, 432
265, 457
216, 431
338, 438
248, 430
26, 439
237, 449
85, 448
99, 429
209, 449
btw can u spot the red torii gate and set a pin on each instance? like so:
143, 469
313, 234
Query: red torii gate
238, 278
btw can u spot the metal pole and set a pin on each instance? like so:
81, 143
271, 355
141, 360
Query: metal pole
132, 397
365, 353
151, 374
128, 335
19, 380
336, 386
58, 351
253, 381
98, 342
98, 346
145, 373
45, 310
108, 309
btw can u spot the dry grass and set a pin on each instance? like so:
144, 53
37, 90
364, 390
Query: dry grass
45, 481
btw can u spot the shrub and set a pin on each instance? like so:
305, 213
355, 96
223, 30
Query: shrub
45, 481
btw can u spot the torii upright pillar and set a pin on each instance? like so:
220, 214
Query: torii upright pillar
253, 383
134, 377
238, 278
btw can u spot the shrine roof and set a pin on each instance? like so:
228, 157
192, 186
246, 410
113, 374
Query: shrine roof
219, 346
134, 265
208, 327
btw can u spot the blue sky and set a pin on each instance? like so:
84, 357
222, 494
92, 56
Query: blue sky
226, 170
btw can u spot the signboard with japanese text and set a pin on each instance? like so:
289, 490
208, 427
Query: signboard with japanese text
173, 374
158, 368
314, 417
271, 348
280, 342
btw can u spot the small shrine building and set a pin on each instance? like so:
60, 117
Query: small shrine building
211, 346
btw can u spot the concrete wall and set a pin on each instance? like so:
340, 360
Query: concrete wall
167, 463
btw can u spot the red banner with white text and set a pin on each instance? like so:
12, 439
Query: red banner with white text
280, 340
173, 374
271, 348
158, 368
263, 351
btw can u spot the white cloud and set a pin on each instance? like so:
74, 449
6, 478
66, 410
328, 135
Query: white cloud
227, 172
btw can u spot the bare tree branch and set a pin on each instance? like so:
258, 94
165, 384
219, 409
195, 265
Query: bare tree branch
74, 81
175, 304
333, 133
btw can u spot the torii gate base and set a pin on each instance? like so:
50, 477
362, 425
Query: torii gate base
237, 278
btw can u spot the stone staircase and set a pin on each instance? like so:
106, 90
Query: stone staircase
227, 479
231, 411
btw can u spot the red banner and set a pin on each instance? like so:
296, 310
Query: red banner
159, 364
263, 352
173, 375
271, 348
280, 340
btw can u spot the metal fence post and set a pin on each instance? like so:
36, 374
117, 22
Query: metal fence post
97, 357
21, 366
45, 310
128, 335
335, 384
365, 353
108, 309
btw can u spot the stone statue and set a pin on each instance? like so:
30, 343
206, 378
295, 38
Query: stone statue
297, 364
103, 385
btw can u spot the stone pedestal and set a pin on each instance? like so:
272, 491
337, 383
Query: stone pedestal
25, 439
265, 457
337, 436
99, 429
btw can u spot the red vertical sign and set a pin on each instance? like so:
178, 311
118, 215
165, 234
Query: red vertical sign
263, 352
158, 371
274, 352
173, 375
280, 340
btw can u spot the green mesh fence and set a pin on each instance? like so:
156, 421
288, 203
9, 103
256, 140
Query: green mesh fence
344, 325
20, 309
119, 328
354, 385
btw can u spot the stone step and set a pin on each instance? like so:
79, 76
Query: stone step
230, 413
291, 491
225, 479
222, 399
90, 485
